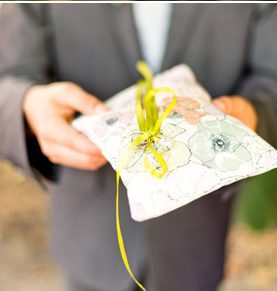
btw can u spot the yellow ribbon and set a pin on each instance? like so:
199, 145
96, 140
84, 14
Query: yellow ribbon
149, 123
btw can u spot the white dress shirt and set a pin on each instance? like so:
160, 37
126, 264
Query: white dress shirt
152, 21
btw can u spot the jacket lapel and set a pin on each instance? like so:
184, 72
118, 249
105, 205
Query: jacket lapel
184, 20
121, 22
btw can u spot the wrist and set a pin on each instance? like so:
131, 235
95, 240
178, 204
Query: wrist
29, 107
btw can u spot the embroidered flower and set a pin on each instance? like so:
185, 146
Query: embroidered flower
113, 122
175, 153
186, 107
218, 144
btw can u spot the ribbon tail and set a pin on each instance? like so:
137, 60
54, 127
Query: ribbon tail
120, 237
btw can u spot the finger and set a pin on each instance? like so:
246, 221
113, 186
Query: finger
245, 112
70, 158
224, 104
74, 97
238, 107
64, 134
241, 105
234, 105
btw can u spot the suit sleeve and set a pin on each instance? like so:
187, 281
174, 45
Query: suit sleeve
24, 61
260, 84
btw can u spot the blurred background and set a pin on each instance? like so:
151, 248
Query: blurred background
26, 265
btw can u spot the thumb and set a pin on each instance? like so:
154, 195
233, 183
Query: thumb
76, 98
224, 104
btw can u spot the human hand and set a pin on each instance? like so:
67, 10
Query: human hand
238, 107
49, 109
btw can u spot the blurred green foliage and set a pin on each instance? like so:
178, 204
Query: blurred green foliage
257, 201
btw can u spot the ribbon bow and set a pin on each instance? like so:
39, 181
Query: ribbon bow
149, 123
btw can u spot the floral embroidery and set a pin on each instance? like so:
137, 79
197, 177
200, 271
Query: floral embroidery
175, 153
186, 107
218, 144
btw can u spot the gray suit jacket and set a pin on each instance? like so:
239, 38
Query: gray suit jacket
232, 49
